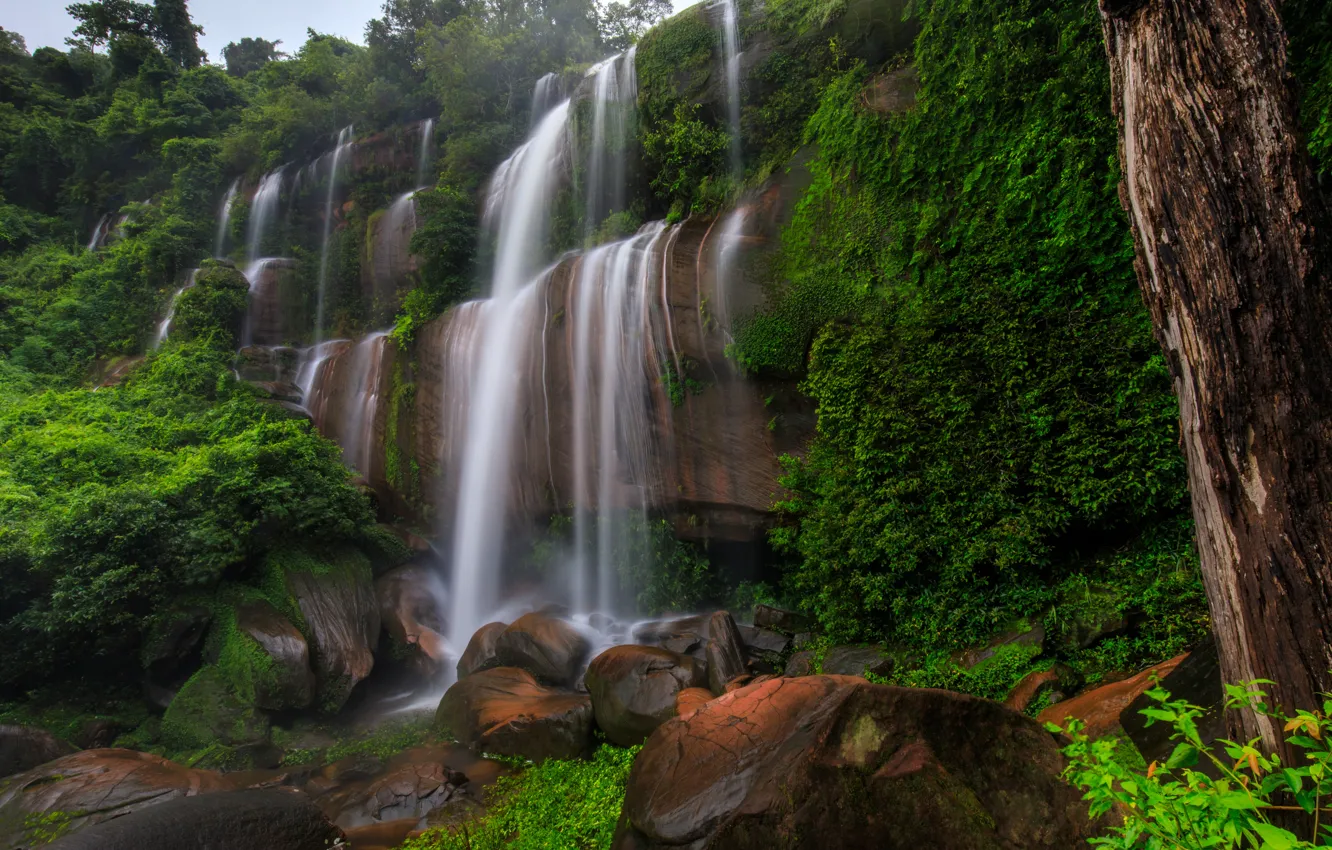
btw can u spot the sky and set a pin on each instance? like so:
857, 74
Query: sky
43, 23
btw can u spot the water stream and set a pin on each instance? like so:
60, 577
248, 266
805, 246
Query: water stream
345, 141
224, 219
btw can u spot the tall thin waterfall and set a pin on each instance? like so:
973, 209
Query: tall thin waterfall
344, 142
615, 88
546, 94
731, 56
99, 232
427, 146
519, 206
261, 213
729, 244
164, 326
357, 425
612, 427
224, 219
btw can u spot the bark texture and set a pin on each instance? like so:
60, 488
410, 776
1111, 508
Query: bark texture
1232, 262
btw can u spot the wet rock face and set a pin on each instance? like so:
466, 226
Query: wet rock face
506, 711
480, 652
857, 661
23, 748
94, 786
172, 653
342, 613
237, 820
1101, 707
549, 648
634, 689
293, 683
833, 762
409, 611
725, 651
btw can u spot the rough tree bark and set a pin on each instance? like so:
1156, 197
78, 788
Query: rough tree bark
1231, 258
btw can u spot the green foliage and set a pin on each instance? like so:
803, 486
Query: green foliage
1174, 807
992, 407
213, 308
685, 155
991, 679
667, 573
1309, 23
679, 386
565, 804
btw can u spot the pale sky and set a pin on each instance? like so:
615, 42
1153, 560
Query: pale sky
43, 23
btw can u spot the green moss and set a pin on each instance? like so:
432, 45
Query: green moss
207, 712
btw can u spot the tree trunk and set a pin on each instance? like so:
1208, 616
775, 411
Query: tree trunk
1232, 263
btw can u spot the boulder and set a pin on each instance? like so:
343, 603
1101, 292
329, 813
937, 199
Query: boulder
287, 682
173, 651
789, 622
832, 762
1060, 679
341, 612
25, 747
548, 648
405, 790
409, 611
858, 660
271, 819
1101, 707
691, 699
480, 652
686, 635
1021, 635
76, 791
759, 641
800, 664
1196, 679
207, 711
634, 689
505, 710
725, 652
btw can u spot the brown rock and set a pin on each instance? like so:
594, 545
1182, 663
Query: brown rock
859, 660
545, 646
293, 685
790, 622
25, 747
738, 682
480, 652
94, 786
1058, 678
506, 711
800, 664
409, 611
691, 699
759, 641
634, 688
342, 612
275, 819
725, 651
1100, 707
833, 762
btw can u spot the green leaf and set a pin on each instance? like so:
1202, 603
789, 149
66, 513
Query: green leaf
1275, 838
1185, 755
1238, 800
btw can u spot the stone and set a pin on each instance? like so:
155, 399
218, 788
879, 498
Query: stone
832, 762
1101, 707
549, 648
272, 819
173, 651
790, 622
410, 790
725, 651
857, 660
691, 699
759, 641
292, 682
800, 664
634, 689
208, 711
1033, 636
505, 710
1059, 679
90, 787
409, 611
339, 606
25, 747
480, 652
893, 92
96, 733
1196, 679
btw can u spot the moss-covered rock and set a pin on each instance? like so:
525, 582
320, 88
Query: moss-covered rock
208, 711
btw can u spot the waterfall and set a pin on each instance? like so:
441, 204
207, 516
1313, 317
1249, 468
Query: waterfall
427, 145
728, 255
312, 377
393, 241
615, 86
519, 206
612, 348
356, 431
261, 213
731, 56
99, 232
224, 219
164, 326
344, 142
544, 96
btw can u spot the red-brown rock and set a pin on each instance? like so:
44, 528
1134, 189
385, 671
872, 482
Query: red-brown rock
409, 610
691, 699
633, 689
1100, 707
24, 747
725, 651
506, 711
545, 646
832, 762
480, 652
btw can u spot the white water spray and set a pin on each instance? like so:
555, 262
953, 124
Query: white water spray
344, 142
224, 219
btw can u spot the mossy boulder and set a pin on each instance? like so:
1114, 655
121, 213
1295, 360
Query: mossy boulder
208, 711
213, 307
275, 655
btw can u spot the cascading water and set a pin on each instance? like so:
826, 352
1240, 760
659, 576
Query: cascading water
615, 86
261, 213
99, 232
357, 425
427, 145
344, 142
731, 56
224, 219
520, 203
728, 256
164, 326
546, 94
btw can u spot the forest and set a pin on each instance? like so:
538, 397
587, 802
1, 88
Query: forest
473, 428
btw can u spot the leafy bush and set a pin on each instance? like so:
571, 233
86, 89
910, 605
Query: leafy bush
1174, 807
565, 804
